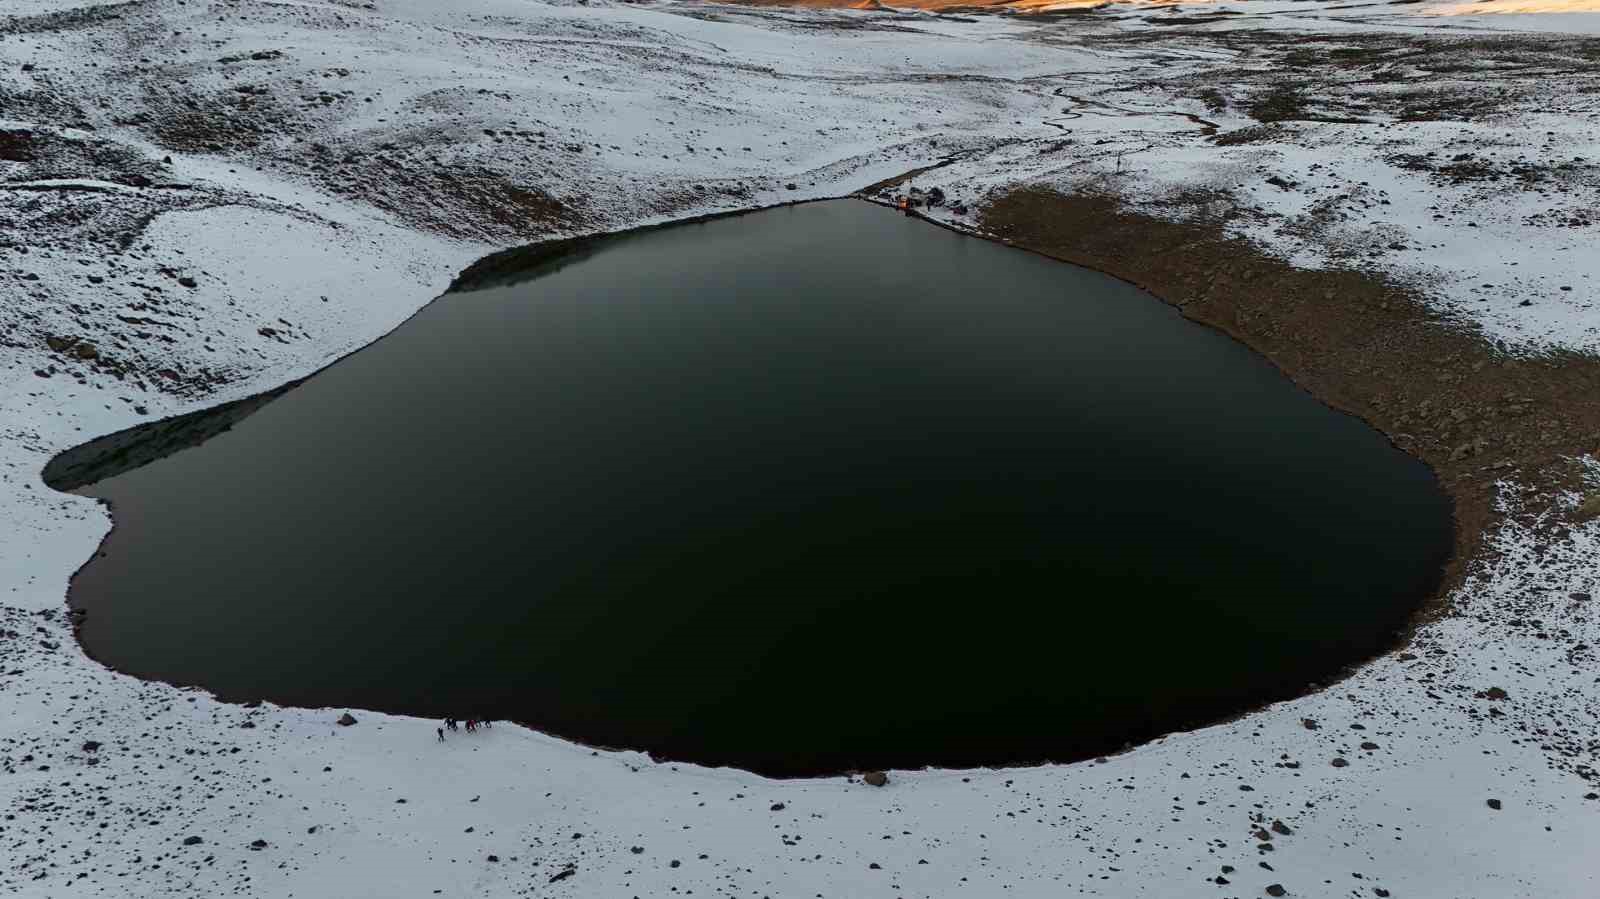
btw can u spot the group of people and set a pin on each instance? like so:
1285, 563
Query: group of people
471, 724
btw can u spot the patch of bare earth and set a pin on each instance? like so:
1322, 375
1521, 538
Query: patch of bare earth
1355, 340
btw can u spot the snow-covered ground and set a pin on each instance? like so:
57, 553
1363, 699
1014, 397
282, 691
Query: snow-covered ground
333, 163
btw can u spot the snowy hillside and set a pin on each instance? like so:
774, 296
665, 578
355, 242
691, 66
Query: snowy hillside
203, 199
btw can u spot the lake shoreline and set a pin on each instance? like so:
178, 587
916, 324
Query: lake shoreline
1227, 284
98, 459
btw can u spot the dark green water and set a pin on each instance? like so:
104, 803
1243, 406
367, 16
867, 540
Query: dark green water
805, 490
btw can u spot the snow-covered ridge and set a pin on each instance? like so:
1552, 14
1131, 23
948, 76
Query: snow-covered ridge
334, 164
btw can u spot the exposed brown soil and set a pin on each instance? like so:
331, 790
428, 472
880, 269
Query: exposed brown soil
1358, 342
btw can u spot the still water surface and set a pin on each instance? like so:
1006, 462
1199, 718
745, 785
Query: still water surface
810, 489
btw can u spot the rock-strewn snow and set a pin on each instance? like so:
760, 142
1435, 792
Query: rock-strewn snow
332, 166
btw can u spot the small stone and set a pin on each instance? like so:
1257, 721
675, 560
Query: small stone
1494, 804
346, 719
192, 841
91, 745
187, 281
1281, 828
777, 807
258, 844
875, 778
493, 858
1339, 763
1275, 889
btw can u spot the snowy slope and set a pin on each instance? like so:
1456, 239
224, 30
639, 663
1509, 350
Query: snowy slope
326, 201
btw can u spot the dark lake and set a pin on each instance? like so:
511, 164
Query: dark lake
805, 490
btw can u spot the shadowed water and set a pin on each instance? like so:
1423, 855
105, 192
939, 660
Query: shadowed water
804, 490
